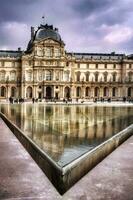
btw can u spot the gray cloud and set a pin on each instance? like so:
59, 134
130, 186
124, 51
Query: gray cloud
87, 7
85, 25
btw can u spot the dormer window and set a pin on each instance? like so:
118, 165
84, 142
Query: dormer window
57, 53
39, 51
48, 52
67, 63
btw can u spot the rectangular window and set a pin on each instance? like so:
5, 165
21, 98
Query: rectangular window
96, 77
78, 65
13, 76
29, 76
39, 52
114, 77
96, 66
29, 62
48, 75
2, 76
48, 52
13, 64
40, 75
2, 64
57, 53
67, 64
130, 66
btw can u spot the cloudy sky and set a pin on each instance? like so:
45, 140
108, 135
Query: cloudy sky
85, 25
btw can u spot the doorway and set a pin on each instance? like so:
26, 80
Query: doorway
48, 92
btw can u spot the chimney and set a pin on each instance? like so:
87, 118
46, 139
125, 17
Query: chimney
32, 32
56, 29
19, 48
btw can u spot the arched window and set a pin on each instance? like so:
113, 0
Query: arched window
48, 92
3, 91
114, 92
13, 92
78, 92
105, 76
96, 76
129, 92
29, 92
67, 92
106, 92
78, 76
97, 92
87, 76
87, 92
48, 75
114, 76
130, 75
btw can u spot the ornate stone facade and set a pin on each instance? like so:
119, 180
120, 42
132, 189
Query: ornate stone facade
46, 70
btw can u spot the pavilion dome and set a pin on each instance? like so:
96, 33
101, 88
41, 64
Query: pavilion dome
47, 31
44, 32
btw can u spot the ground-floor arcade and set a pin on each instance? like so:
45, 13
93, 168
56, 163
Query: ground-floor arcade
50, 91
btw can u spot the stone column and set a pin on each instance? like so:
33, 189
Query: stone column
61, 92
110, 92
83, 91
7, 92
101, 91
54, 75
44, 91
123, 73
92, 92
72, 92
36, 93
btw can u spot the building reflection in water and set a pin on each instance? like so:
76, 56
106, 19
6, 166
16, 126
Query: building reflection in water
66, 132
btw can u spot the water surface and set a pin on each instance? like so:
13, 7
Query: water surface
65, 132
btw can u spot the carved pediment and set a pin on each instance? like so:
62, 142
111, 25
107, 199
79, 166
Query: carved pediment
51, 41
47, 41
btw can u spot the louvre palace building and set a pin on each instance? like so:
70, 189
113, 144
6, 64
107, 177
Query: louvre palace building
45, 70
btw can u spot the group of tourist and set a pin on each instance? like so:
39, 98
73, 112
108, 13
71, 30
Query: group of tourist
18, 100
69, 100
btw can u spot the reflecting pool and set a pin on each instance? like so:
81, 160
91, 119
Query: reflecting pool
65, 132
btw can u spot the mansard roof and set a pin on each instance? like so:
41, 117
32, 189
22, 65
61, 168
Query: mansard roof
10, 53
97, 56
